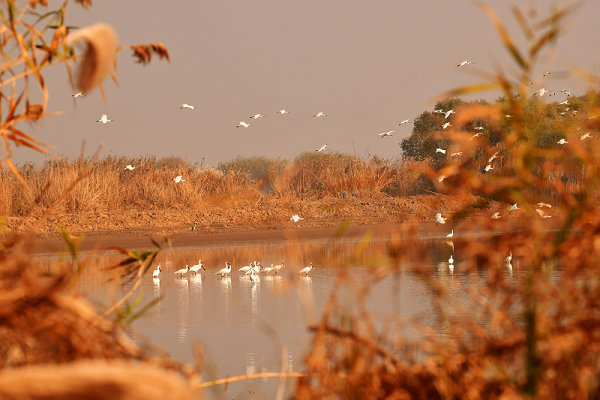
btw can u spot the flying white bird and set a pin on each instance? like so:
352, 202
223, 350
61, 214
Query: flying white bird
404, 122
546, 73
540, 205
386, 134
224, 271
542, 214
447, 114
496, 216
104, 119
306, 270
566, 102
178, 179
451, 234
585, 136
295, 218
508, 116
79, 94
439, 111
182, 271
282, 112
541, 92
439, 219
243, 125
129, 167
488, 167
562, 141
322, 147
462, 64
513, 207
441, 178
186, 106
492, 157
456, 154
156, 272
197, 267
257, 116
447, 124
479, 128
320, 114
438, 150
478, 134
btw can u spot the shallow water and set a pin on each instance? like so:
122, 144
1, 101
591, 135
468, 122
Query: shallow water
243, 324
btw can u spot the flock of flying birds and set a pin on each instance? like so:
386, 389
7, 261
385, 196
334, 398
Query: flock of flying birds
253, 270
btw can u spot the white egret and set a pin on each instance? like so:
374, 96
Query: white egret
243, 125
129, 167
479, 128
447, 124
456, 154
566, 102
178, 179
156, 272
282, 112
562, 141
541, 92
492, 157
278, 267
182, 271
186, 106
322, 148
439, 112
508, 259
79, 94
104, 119
386, 134
496, 216
438, 150
257, 116
540, 205
450, 235
439, 219
320, 114
441, 178
478, 134
404, 122
296, 218
462, 64
197, 267
542, 214
224, 271
488, 167
513, 207
447, 114
585, 136
306, 270
451, 260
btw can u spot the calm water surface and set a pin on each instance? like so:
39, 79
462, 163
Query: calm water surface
243, 324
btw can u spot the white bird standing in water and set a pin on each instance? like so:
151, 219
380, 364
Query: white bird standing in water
243, 125
322, 148
439, 219
104, 119
295, 218
224, 271
386, 134
320, 114
266, 270
182, 271
450, 235
156, 272
451, 260
178, 179
197, 267
306, 270
246, 268
278, 267
186, 106
129, 167
508, 259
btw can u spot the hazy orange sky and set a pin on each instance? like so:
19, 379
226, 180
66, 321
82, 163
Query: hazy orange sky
367, 64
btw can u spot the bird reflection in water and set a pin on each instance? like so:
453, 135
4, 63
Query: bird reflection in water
183, 301
250, 363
